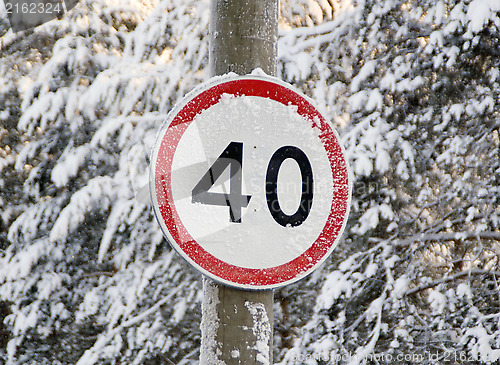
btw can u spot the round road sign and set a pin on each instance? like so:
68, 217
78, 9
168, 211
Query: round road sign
249, 182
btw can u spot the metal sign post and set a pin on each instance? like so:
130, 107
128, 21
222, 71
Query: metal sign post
243, 35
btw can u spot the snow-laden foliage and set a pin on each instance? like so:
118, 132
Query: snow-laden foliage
85, 276
412, 86
415, 88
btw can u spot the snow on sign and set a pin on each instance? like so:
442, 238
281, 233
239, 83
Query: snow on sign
249, 182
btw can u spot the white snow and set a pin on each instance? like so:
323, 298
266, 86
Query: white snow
400, 287
335, 285
69, 164
209, 350
437, 301
371, 270
366, 71
480, 12
180, 309
464, 290
262, 330
89, 306
97, 191
370, 219
120, 210
481, 344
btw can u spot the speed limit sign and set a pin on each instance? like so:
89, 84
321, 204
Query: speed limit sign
249, 182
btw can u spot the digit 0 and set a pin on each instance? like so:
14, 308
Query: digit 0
306, 198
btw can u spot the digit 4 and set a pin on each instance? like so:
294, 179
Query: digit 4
232, 156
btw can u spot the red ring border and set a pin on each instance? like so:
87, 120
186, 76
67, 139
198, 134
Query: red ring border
188, 247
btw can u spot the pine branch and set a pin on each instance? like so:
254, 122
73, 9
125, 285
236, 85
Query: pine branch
91, 356
473, 272
445, 236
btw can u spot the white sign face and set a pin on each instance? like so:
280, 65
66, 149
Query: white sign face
249, 182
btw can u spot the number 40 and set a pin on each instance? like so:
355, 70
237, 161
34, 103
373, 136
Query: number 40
232, 157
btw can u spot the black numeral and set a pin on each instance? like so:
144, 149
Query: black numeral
306, 198
232, 156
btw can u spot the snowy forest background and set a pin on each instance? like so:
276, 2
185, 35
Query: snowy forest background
413, 89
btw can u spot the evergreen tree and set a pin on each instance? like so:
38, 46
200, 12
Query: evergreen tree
412, 86
85, 274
